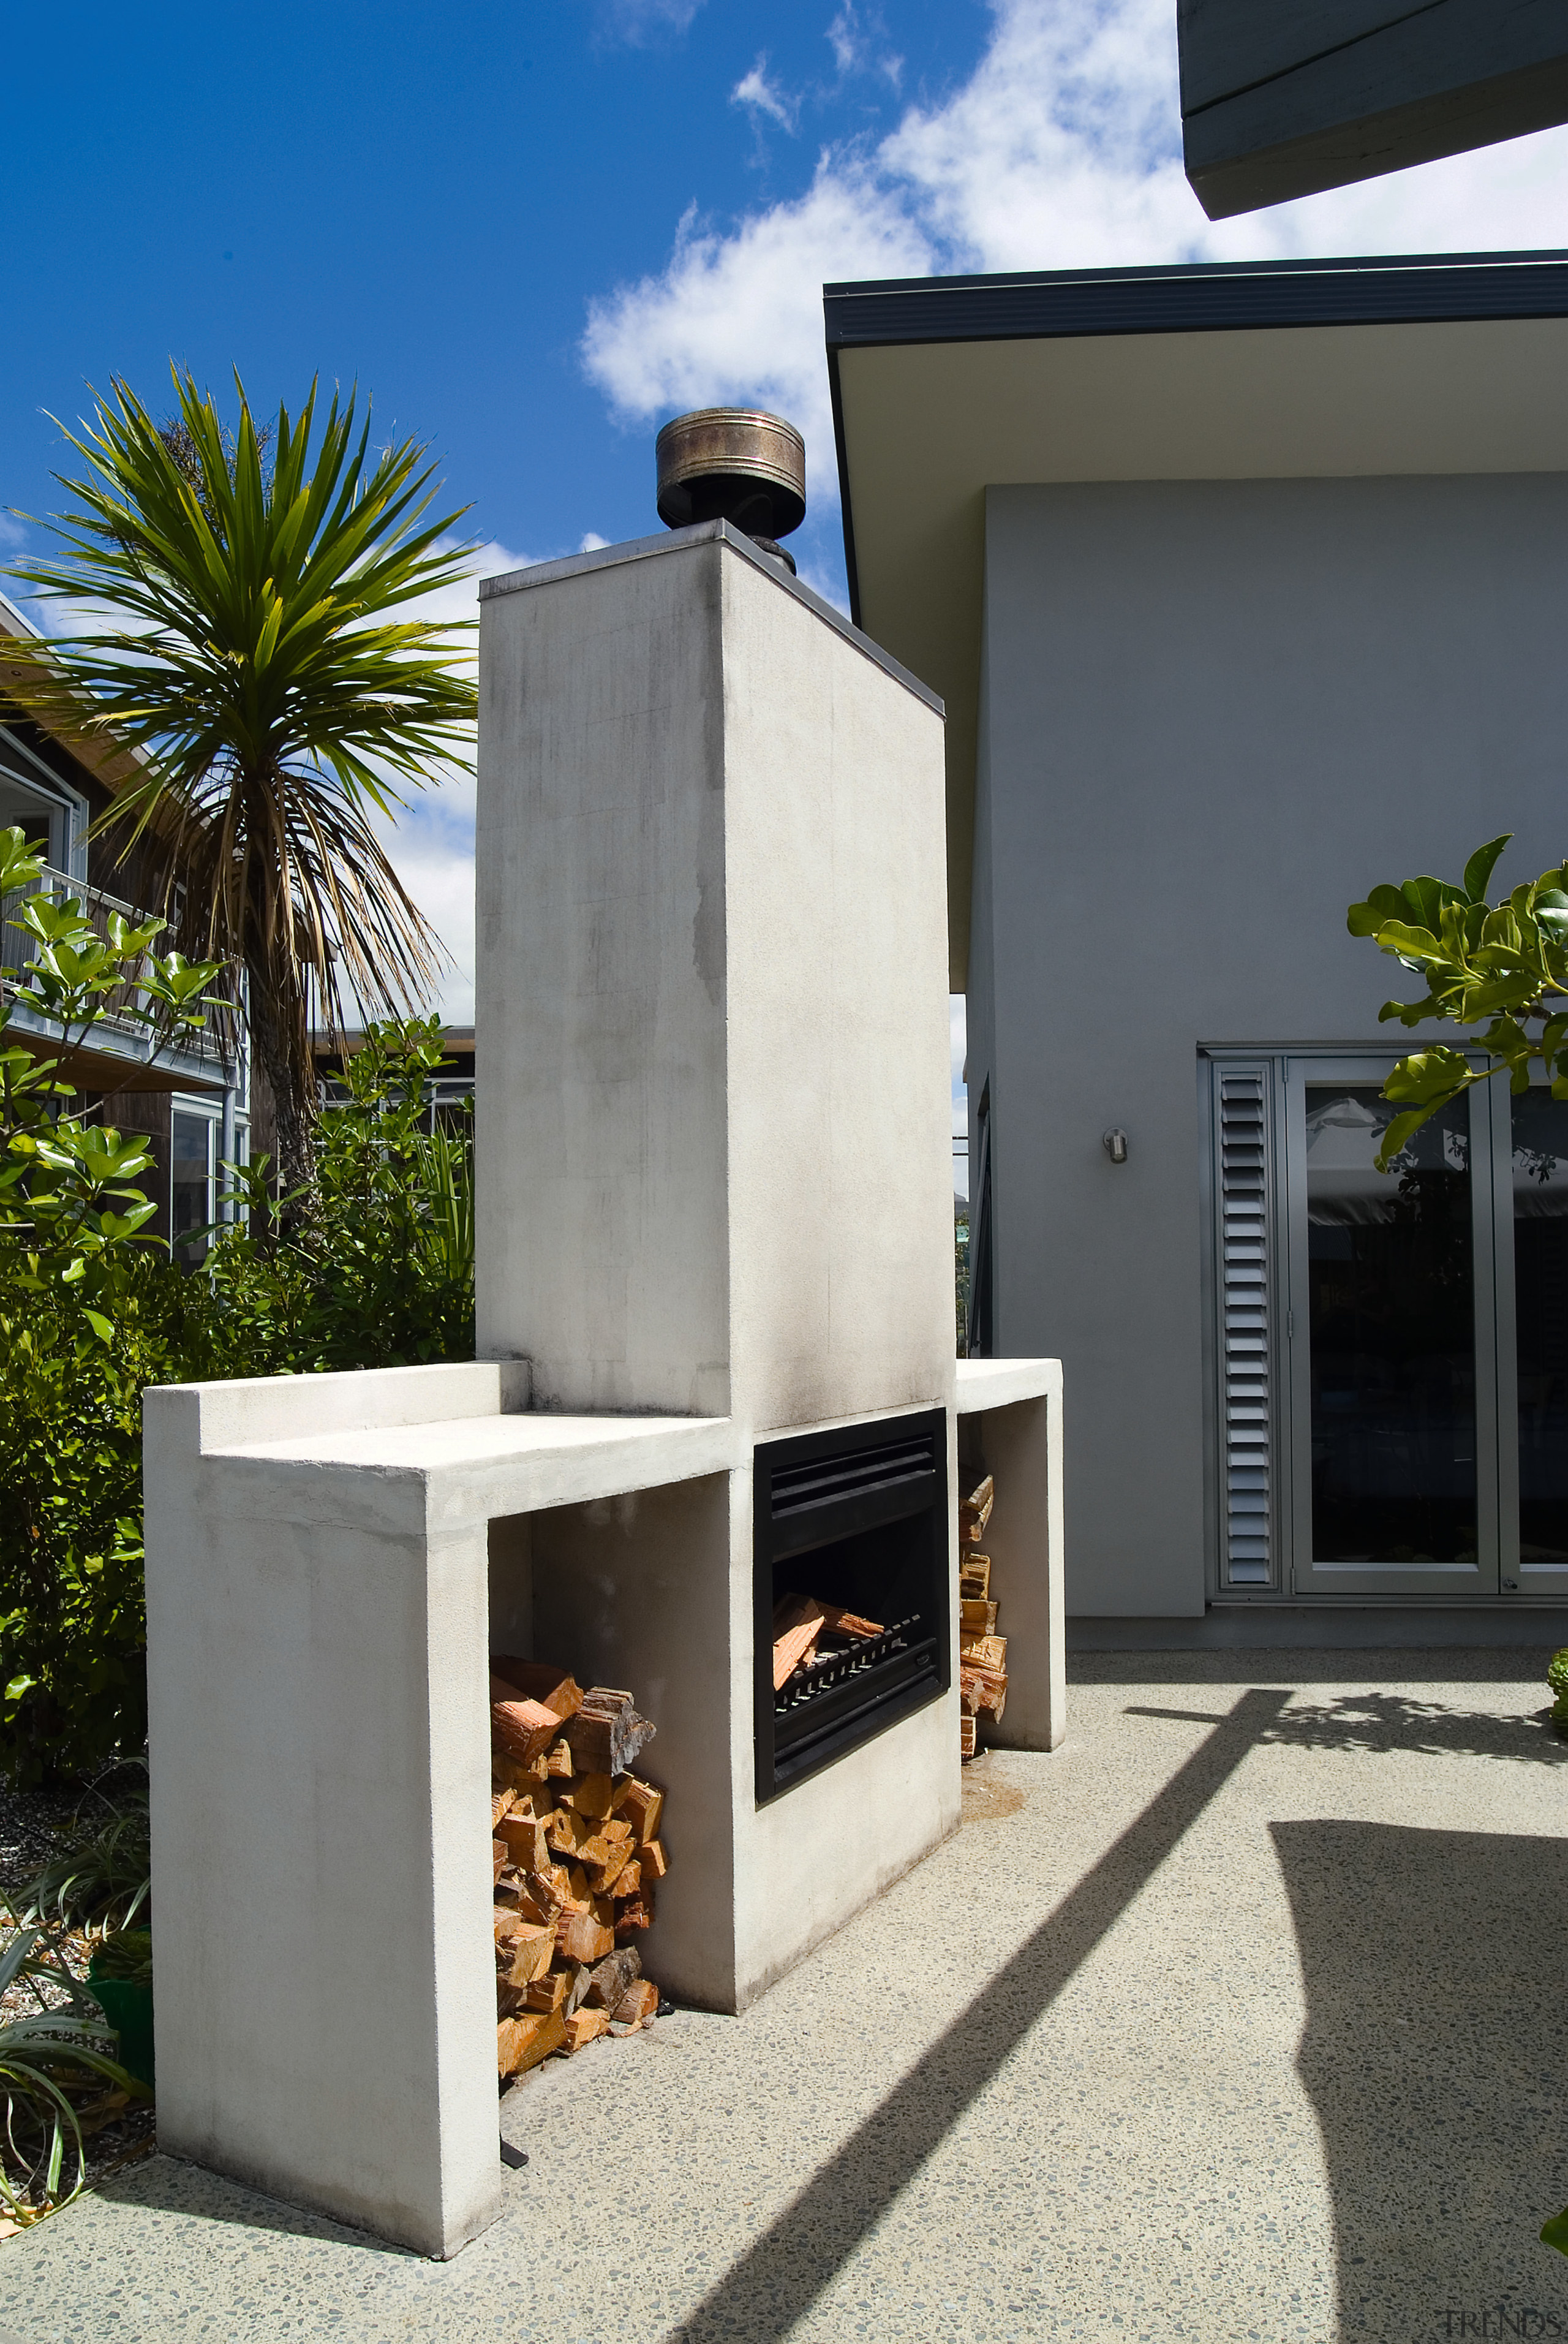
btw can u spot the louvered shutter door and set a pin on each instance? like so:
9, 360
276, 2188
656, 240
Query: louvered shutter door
1245, 1196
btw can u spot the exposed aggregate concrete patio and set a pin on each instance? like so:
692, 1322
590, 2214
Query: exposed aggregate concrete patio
1240, 2016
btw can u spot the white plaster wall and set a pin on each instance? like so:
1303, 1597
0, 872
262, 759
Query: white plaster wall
712, 1092
320, 1764
840, 1195
599, 1016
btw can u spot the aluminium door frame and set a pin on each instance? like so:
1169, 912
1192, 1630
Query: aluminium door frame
1459, 1583
1520, 1582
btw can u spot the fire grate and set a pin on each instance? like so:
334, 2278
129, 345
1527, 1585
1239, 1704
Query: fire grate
853, 1524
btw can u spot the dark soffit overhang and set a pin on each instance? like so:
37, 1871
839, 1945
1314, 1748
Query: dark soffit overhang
1183, 298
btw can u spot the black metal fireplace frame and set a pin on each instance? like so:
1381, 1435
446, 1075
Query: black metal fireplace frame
814, 1490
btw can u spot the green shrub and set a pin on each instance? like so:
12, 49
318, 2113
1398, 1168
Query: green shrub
377, 1271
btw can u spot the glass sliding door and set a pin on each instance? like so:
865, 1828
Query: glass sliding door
1533, 1226
1390, 1341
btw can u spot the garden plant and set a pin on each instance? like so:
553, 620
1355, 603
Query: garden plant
377, 1271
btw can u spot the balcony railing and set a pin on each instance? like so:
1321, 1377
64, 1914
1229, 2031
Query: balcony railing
120, 1029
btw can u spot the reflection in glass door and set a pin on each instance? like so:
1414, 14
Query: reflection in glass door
1393, 1476
1539, 1170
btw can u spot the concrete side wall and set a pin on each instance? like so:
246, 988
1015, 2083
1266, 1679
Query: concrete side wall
320, 1763
635, 1592
1020, 1445
841, 1211
601, 1011
1218, 712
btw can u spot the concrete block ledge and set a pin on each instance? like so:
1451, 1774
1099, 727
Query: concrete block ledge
1002, 1383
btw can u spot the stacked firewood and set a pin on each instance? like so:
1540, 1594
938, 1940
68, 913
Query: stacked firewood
982, 1654
577, 1853
807, 1629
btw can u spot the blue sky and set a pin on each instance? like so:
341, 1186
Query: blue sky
533, 232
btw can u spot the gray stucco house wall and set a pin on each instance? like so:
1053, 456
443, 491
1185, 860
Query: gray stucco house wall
1246, 588
1214, 714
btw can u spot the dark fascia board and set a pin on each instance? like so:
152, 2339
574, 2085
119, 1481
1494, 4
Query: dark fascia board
1221, 296
1286, 99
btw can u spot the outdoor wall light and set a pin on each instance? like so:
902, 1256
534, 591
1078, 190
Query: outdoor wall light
1116, 1146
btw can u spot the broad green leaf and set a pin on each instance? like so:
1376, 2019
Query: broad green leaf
1479, 867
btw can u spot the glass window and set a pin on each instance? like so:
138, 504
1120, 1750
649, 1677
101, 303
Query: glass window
190, 1182
1540, 1321
1392, 1287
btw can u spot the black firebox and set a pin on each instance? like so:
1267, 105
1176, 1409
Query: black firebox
857, 1520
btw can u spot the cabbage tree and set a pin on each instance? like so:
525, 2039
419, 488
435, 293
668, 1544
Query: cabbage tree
258, 639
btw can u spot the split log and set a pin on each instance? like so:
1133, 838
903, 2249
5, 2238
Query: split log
501, 1855
524, 1729
539, 1680
501, 1804
966, 1736
654, 1861
561, 1761
627, 1881
985, 1653
635, 1915
609, 1979
851, 1624
567, 1831
578, 1981
983, 1688
615, 1828
529, 1842
797, 1621
977, 1503
582, 1938
606, 1869
977, 1619
638, 2002
607, 1733
527, 1953
593, 1796
548, 1993
512, 1774
522, 2043
642, 1807
583, 2025
974, 1577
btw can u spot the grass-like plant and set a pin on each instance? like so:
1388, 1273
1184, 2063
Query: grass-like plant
53, 2050
101, 1882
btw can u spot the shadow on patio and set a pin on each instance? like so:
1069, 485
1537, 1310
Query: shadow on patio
1433, 2055
781, 2276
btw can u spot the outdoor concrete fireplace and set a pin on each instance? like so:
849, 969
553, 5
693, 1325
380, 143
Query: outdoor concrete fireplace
716, 1318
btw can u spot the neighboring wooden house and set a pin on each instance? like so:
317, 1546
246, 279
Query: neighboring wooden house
193, 1101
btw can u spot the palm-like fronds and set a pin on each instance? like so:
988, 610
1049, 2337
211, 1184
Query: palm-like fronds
251, 659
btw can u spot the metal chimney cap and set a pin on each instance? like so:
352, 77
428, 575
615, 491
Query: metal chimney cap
737, 464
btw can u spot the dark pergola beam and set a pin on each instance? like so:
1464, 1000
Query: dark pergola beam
1285, 97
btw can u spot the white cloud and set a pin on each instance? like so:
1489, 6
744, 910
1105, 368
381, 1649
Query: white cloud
764, 96
1061, 150
854, 46
639, 22
591, 541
